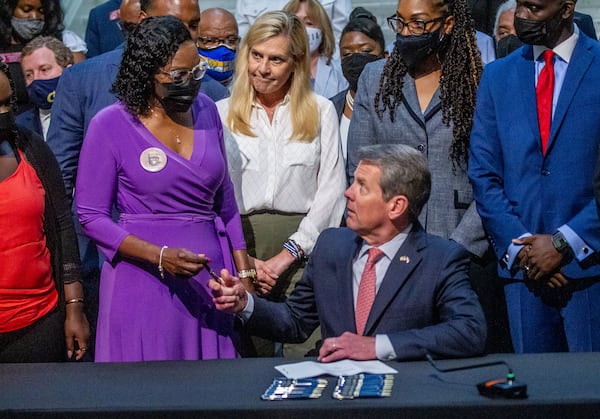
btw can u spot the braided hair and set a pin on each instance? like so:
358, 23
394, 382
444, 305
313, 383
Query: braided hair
461, 69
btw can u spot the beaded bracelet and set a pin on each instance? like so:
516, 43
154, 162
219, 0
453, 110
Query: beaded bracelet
295, 250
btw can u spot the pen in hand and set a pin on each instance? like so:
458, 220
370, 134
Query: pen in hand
213, 274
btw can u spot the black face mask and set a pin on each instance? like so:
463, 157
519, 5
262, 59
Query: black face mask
7, 126
544, 32
179, 97
507, 45
353, 65
414, 49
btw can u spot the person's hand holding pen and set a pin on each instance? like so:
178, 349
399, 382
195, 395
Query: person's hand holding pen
181, 261
229, 294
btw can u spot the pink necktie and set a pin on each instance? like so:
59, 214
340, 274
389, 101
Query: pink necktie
544, 91
366, 290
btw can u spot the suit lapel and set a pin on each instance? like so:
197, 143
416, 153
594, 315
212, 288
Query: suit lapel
578, 66
525, 74
411, 101
401, 267
344, 269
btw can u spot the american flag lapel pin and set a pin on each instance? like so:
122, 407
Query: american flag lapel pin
404, 259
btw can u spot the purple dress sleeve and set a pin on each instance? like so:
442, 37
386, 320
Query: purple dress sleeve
96, 188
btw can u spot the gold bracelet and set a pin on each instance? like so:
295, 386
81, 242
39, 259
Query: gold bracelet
247, 273
74, 300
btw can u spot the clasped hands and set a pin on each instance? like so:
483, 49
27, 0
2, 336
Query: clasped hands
540, 261
267, 272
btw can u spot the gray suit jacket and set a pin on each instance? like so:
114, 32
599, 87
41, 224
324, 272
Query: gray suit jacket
450, 212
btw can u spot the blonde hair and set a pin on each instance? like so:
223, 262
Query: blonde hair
320, 18
303, 102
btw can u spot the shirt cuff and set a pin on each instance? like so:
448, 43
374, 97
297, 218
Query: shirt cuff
246, 313
384, 349
513, 251
580, 248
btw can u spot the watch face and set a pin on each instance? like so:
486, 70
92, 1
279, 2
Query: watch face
559, 242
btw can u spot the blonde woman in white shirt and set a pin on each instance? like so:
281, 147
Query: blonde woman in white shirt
283, 150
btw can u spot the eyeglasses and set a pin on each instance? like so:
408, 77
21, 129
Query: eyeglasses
415, 27
209, 42
181, 75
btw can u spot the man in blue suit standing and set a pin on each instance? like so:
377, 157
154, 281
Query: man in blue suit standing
381, 288
533, 145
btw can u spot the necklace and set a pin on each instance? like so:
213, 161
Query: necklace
350, 101
169, 127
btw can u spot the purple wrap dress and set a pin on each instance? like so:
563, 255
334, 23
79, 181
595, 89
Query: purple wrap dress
165, 199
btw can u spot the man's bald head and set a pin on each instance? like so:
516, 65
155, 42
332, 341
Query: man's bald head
130, 11
188, 11
219, 23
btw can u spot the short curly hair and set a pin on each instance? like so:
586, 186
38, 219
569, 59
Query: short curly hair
150, 47
53, 20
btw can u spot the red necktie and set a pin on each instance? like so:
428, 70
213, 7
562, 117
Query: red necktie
366, 290
544, 91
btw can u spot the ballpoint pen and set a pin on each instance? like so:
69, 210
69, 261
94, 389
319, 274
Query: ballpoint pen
213, 274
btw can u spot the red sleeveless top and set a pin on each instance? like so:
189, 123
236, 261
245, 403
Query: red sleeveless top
27, 290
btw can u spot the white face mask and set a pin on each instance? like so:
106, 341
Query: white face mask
314, 38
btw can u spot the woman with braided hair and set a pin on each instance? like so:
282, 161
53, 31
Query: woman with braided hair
424, 96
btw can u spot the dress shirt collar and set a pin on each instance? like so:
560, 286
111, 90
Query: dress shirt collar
284, 102
389, 248
564, 50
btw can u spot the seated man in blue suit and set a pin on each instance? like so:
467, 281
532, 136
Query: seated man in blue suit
535, 134
381, 288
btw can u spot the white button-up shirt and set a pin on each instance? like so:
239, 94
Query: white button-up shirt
272, 172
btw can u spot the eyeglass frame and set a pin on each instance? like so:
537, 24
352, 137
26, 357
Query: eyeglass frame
394, 20
230, 41
202, 64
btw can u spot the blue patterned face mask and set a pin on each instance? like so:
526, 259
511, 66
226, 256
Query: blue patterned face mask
221, 62
42, 92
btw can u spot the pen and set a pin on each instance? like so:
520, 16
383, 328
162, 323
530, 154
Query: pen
213, 274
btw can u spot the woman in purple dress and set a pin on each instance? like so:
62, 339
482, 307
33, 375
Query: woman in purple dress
158, 157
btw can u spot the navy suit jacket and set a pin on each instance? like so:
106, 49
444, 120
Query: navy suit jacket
519, 190
102, 33
424, 302
31, 119
83, 90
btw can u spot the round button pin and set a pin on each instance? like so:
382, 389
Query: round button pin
153, 159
